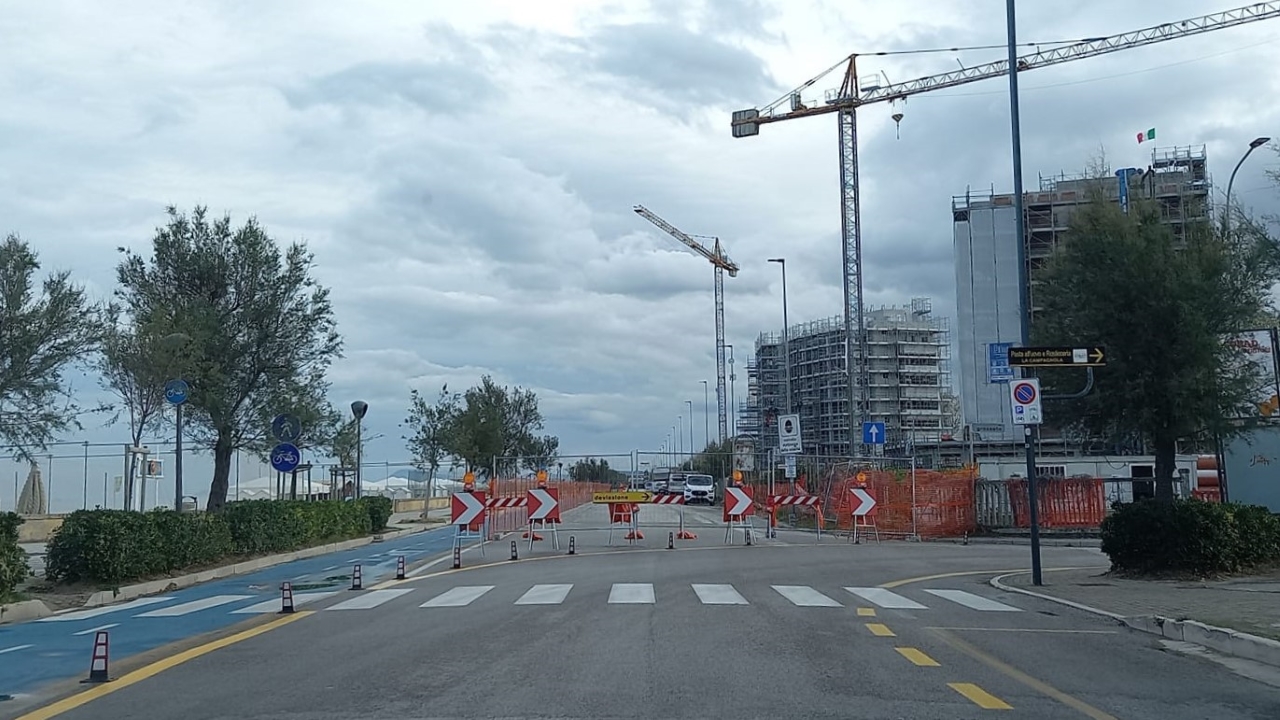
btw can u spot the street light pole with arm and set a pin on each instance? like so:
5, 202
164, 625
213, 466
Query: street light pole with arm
786, 341
1257, 143
706, 413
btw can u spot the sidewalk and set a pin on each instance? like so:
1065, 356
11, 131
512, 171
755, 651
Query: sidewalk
1250, 605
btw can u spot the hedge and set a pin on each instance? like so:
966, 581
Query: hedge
1190, 536
111, 546
13, 561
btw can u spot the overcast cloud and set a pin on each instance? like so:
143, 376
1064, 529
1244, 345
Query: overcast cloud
465, 172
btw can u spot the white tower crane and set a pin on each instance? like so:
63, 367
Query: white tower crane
721, 262
850, 97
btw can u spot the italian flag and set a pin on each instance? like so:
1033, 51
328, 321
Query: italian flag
1148, 135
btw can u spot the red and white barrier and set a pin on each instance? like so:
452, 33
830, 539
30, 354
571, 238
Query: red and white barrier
804, 500
507, 502
667, 500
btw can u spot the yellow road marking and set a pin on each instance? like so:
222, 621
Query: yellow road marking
880, 630
1040, 686
155, 668
917, 657
980, 697
866, 612
943, 576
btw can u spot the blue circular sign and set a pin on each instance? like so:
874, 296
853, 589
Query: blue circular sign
285, 457
176, 391
286, 428
1024, 393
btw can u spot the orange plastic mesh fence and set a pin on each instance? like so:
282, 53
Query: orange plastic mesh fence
1077, 502
572, 495
942, 500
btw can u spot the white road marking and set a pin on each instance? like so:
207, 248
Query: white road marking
458, 597
299, 599
976, 602
193, 606
91, 631
631, 594
545, 595
371, 599
805, 596
95, 612
15, 648
886, 599
719, 595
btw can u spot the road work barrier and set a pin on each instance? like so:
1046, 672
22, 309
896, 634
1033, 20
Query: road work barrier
739, 508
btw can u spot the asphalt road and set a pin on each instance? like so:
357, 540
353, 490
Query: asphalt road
704, 631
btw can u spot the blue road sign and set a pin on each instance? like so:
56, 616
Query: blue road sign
286, 428
872, 433
285, 457
998, 368
1024, 393
176, 391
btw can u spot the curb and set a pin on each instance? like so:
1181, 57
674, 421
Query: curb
25, 610
1223, 640
129, 592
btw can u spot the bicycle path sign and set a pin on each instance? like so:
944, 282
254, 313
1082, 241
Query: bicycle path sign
285, 457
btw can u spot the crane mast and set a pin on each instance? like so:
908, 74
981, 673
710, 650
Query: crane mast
721, 264
845, 103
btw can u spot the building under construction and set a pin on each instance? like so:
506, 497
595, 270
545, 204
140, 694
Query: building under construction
910, 353
986, 258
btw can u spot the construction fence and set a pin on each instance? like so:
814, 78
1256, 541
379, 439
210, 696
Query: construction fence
923, 503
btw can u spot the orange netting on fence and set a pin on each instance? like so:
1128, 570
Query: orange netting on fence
572, 495
942, 500
1078, 502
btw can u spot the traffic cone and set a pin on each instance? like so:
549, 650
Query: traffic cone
400, 568
286, 597
98, 665
356, 582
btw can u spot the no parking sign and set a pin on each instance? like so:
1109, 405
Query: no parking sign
1025, 396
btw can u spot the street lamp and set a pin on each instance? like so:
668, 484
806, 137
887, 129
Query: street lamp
786, 345
358, 409
706, 414
733, 403
1257, 143
691, 449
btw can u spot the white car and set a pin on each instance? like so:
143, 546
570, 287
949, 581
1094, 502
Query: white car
699, 489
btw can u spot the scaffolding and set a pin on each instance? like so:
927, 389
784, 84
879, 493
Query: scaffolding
908, 368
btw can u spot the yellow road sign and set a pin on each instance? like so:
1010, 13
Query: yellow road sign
635, 496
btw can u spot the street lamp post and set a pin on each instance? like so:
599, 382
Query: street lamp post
786, 343
691, 448
733, 403
706, 414
1257, 143
358, 409
176, 392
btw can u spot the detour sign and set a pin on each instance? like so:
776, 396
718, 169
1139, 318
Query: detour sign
637, 496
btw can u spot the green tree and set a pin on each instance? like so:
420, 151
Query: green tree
715, 460
430, 425
496, 422
44, 331
1165, 312
259, 324
595, 470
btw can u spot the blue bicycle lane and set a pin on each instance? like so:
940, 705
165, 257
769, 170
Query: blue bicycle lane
58, 647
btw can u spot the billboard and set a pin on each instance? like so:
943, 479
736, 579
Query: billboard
1259, 351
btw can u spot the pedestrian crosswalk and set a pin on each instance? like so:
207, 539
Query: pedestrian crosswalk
614, 594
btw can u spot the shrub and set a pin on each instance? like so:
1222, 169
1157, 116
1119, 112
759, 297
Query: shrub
111, 546
1190, 536
379, 509
13, 561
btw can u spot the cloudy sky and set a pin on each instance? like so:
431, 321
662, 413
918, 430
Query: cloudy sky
465, 172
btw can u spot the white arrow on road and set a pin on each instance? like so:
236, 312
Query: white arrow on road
467, 508
867, 502
541, 504
739, 501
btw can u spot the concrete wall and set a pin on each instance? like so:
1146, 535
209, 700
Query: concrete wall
418, 504
38, 528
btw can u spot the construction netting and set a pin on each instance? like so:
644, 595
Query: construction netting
571, 495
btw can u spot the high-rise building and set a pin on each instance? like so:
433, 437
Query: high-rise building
986, 262
909, 352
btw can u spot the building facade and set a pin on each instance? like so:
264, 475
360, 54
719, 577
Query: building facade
909, 354
988, 290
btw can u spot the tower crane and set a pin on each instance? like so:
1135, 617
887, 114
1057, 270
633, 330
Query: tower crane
722, 264
845, 103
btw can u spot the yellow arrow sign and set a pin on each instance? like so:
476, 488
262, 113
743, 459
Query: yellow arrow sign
638, 496
1097, 355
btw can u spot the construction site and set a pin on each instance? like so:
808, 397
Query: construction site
909, 367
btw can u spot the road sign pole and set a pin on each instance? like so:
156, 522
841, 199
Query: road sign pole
1034, 501
177, 461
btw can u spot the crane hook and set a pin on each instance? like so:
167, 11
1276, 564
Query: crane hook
897, 124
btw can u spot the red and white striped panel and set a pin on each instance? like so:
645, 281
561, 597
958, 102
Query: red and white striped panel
778, 500
667, 500
507, 502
